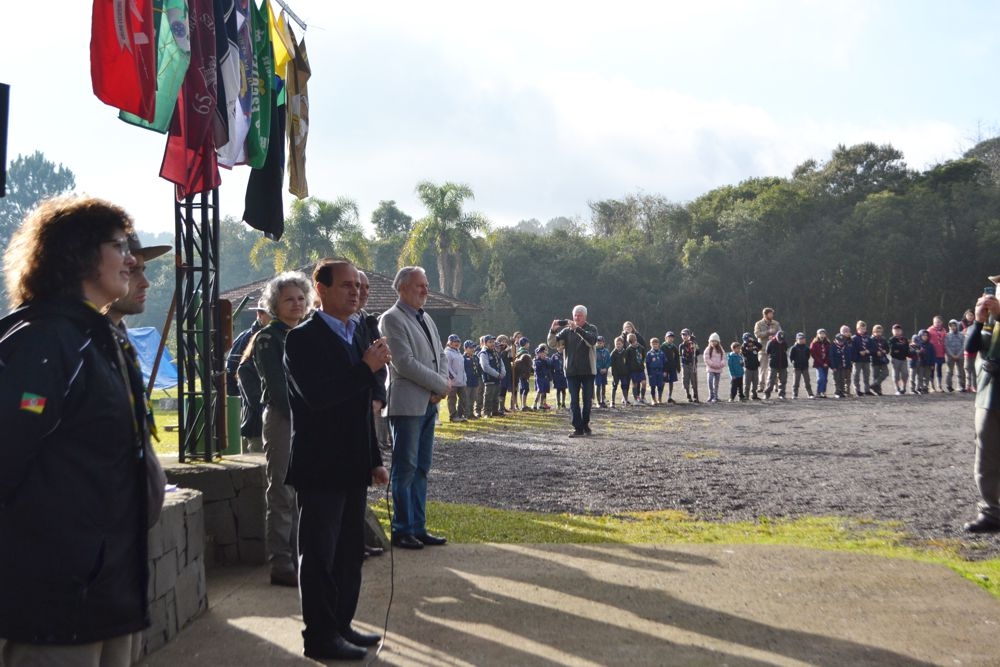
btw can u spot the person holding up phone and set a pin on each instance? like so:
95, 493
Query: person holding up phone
987, 420
580, 340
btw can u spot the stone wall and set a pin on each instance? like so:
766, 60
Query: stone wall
233, 496
177, 590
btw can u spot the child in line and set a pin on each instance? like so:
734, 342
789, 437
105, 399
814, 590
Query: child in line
558, 376
899, 354
735, 361
467, 396
543, 377
819, 350
751, 363
954, 348
777, 353
636, 356
715, 362
655, 364
928, 362
672, 364
799, 356
523, 366
915, 354
689, 364
861, 356
880, 359
603, 359
619, 371
840, 362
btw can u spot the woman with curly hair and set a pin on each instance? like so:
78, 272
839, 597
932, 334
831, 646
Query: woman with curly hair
79, 484
288, 298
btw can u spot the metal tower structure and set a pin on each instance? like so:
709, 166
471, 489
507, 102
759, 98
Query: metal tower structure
200, 342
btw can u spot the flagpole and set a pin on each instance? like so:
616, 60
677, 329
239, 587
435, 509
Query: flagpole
291, 14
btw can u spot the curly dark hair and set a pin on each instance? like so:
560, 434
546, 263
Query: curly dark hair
58, 246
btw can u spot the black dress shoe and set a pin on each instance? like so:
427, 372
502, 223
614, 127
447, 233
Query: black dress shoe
373, 551
335, 649
576, 434
406, 542
431, 540
586, 429
982, 524
285, 578
361, 638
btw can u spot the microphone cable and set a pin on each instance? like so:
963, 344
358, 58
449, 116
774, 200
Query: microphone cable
392, 583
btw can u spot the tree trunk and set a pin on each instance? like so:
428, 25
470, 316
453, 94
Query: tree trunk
458, 274
443, 271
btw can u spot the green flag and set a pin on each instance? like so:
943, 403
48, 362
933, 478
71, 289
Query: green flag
262, 83
173, 55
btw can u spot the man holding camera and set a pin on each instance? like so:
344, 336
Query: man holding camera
987, 467
580, 363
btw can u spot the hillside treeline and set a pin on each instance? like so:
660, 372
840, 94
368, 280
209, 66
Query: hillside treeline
860, 236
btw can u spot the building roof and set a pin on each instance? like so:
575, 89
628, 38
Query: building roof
381, 297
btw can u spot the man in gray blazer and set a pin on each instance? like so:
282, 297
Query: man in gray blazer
418, 379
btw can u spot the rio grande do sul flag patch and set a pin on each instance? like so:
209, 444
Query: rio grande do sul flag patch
32, 403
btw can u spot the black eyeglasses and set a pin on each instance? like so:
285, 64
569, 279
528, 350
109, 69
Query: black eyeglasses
121, 245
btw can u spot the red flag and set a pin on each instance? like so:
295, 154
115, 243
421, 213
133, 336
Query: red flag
123, 55
189, 160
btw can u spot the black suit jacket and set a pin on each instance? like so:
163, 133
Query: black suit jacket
368, 333
333, 434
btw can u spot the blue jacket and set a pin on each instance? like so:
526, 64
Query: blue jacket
927, 354
672, 357
543, 371
471, 371
656, 362
735, 361
861, 343
840, 356
880, 351
603, 358
751, 361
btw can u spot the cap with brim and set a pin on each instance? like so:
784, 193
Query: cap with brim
468, 343
897, 326
453, 338
147, 253
488, 338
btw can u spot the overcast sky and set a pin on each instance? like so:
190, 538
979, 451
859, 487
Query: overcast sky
541, 106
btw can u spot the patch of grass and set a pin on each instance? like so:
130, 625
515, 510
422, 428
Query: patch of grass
702, 454
474, 524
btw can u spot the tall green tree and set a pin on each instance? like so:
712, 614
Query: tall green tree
29, 180
447, 229
316, 228
389, 221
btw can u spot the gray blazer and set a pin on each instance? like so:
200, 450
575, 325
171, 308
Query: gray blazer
418, 368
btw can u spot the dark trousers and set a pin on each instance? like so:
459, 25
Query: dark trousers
581, 396
331, 550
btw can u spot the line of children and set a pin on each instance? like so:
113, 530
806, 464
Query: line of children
850, 355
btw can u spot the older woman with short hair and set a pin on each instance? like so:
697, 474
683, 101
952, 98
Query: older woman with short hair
288, 297
78, 482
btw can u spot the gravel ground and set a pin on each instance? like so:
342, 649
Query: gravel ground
906, 459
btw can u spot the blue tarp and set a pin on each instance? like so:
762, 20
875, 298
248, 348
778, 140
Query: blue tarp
146, 341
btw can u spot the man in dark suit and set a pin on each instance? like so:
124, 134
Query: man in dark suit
331, 381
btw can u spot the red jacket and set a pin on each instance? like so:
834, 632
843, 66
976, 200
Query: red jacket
820, 353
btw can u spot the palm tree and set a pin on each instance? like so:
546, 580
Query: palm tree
447, 229
316, 228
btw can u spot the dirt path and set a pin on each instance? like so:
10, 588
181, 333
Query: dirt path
905, 458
